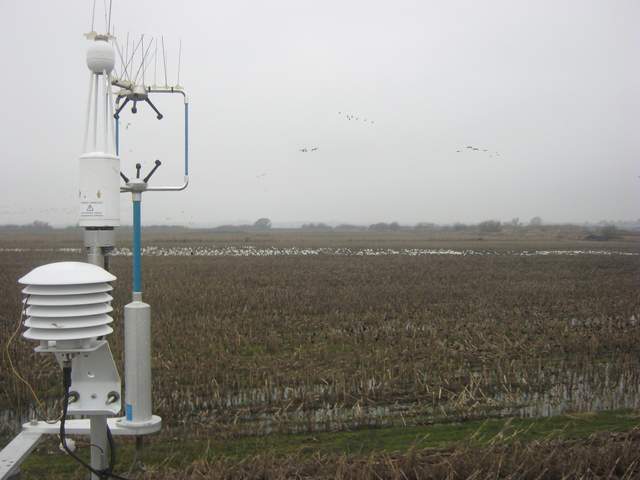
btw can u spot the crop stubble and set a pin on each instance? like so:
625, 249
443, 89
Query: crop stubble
253, 345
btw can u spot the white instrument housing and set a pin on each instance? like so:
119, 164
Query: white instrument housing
67, 306
99, 190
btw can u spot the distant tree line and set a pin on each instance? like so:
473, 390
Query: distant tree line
385, 227
604, 231
261, 225
317, 227
601, 231
35, 226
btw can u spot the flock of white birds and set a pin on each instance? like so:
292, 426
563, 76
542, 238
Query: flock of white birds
249, 251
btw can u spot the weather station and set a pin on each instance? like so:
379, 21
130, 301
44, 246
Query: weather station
67, 305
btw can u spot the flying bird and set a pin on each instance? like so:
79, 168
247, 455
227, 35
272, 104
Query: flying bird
356, 118
477, 149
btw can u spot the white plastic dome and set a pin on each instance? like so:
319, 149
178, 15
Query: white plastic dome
67, 273
101, 56
67, 302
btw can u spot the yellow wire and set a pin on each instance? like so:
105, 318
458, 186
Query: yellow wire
16, 373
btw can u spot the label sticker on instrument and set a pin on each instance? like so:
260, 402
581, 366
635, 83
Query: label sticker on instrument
91, 209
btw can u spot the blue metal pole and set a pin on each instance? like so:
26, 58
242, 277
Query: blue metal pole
186, 139
137, 253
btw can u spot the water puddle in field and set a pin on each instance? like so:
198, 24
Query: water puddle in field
249, 251
546, 392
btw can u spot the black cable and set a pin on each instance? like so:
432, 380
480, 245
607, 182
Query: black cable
66, 381
106, 473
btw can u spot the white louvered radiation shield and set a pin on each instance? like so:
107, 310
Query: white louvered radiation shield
67, 305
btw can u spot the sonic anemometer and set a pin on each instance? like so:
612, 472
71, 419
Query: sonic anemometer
67, 305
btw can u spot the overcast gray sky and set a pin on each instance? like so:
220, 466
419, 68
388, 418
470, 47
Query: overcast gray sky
552, 86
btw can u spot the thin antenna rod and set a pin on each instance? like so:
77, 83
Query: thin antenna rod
147, 61
179, 59
164, 57
88, 116
144, 57
93, 16
155, 62
124, 67
133, 54
104, 7
114, 73
109, 22
126, 51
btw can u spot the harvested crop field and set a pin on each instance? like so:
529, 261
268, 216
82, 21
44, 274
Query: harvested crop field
247, 345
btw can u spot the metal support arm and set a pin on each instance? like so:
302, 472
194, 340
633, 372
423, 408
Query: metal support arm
185, 183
